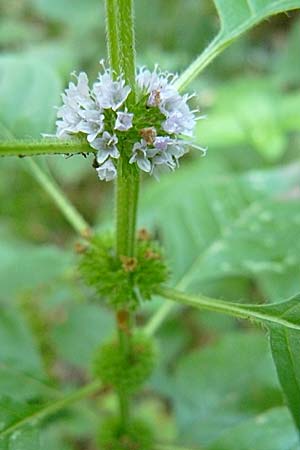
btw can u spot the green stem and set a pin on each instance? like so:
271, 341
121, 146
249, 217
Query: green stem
127, 43
52, 408
121, 51
59, 198
127, 188
111, 9
126, 210
158, 318
43, 147
164, 310
124, 401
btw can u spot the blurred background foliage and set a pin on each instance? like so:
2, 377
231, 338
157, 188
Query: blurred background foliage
230, 223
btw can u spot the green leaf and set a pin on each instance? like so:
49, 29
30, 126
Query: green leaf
18, 349
15, 417
284, 314
71, 12
236, 17
283, 320
224, 227
272, 430
22, 440
22, 385
222, 385
12, 413
266, 131
286, 65
261, 244
25, 266
35, 88
285, 345
77, 347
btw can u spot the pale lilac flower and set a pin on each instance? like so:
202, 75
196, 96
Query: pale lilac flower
162, 142
109, 93
167, 152
68, 121
140, 156
76, 100
123, 121
80, 92
101, 114
163, 95
107, 171
106, 146
93, 123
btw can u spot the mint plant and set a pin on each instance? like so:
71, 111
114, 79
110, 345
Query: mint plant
133, 121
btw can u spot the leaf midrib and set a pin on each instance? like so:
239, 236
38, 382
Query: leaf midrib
233, 309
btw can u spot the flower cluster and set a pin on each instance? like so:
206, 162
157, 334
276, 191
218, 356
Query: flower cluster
123, 281
152, 135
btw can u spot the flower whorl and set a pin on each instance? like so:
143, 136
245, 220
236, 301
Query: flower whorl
151, 135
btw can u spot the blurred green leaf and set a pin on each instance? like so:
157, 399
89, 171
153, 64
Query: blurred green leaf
203, 218
252, 112
25, 266
72, 12
15, 31
28, 93
18, 349
285, 345
83, 330
16, 417
236, 18
223, 385
272, 430
286, 62
12, 413
21, 385
261, 242
21, 440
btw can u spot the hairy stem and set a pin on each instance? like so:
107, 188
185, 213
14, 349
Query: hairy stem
111, 9
43, 147
127, 188
127, 43
121, 50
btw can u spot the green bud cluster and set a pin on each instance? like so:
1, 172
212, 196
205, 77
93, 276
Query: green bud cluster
138, 436
125, 372
123, 281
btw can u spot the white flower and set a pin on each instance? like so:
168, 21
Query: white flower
106, 146
158, 121
109, 93
123, 121
163, 95
107, 171
140, 156
76, 100
168, 152
93, 123
81, 92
